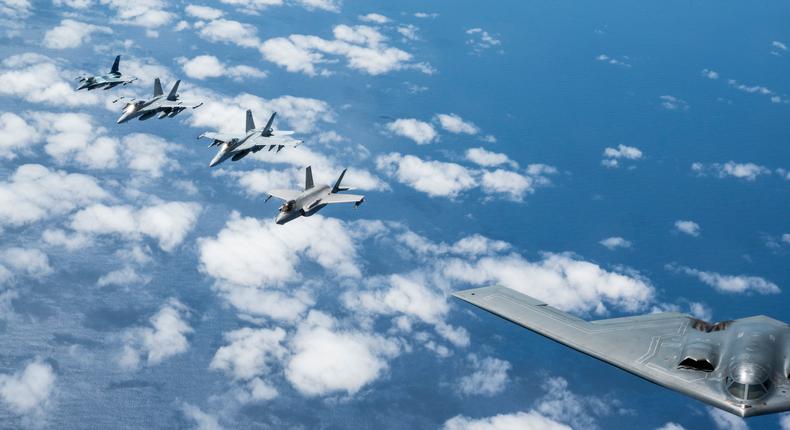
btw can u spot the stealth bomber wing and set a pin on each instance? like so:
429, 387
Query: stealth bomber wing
110, 80
238, 146
739, 366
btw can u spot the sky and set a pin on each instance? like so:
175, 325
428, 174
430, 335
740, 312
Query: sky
609, 159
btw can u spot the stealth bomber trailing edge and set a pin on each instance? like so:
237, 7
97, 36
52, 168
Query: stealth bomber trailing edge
110, 80
312, 199
237, 146
168, 106
740, 366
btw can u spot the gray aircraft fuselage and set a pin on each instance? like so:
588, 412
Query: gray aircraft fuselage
135, 109
308, 203
233, 147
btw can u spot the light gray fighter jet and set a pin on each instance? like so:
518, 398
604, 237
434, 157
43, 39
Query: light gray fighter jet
169, 106
237, 146
110, 80
312, 199
740, 366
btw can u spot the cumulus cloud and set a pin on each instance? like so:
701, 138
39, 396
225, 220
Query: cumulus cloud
612, 156
615, 242
71, 34
16, 135
29, 390
230, 31
480, 40
690, 228
671, 426
209, 66
773, 96
203, 12
327, 5
16, 8
531, 420
375, 18
125, 276
364, 48
488, 379
144, 13
418, 131
166, 337
202, 420
710, 74
485, 158
727, 283
250, 353
622, 61
784, 421
30, 261
233, 258
669, 102
328, 359
168, 223
445, 179
37, 79
34, 193
562, 280
726, 421
747, 171
455, 124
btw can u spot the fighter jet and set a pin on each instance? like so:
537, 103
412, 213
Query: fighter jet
740, 366
312, 199
169, 106
236, 147
110, 80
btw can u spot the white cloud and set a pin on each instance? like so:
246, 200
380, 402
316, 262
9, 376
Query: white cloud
144, 13
166, 337
28, 391
425, 15
418, 131
168, 223
688, 227
33, 262
726, 421
37, 79
122, 277
728, 283
375, 18
34, 192
671, 426
485, 158
71, 34
560, 403
203, 421
229, 31
253, 7
786, 238
364, 48
327, 5
531, 420
74, 137
560, 280
203, 12
480, 40
327, 359
435, 178
250, 352
757, 89
784, 421
209, 66
622, 62
16, 8
612, 156
444, 179
710, 74
779, 45
615, 242
488, 379
16, 135
669, 102
455, 124
748, 171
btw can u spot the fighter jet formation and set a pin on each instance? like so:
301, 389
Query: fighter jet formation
108, 81
229, 146
237, 146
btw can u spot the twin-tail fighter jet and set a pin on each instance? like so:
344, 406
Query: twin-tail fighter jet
169, 106
312, 199
110, 80
237, 146
740, 366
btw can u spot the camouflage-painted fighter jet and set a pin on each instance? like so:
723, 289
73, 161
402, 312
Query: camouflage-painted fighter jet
110, 80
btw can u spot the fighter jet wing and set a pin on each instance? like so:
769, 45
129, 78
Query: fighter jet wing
178, 104
284, 195
649, 346
276, 141
224, 137
341, 198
